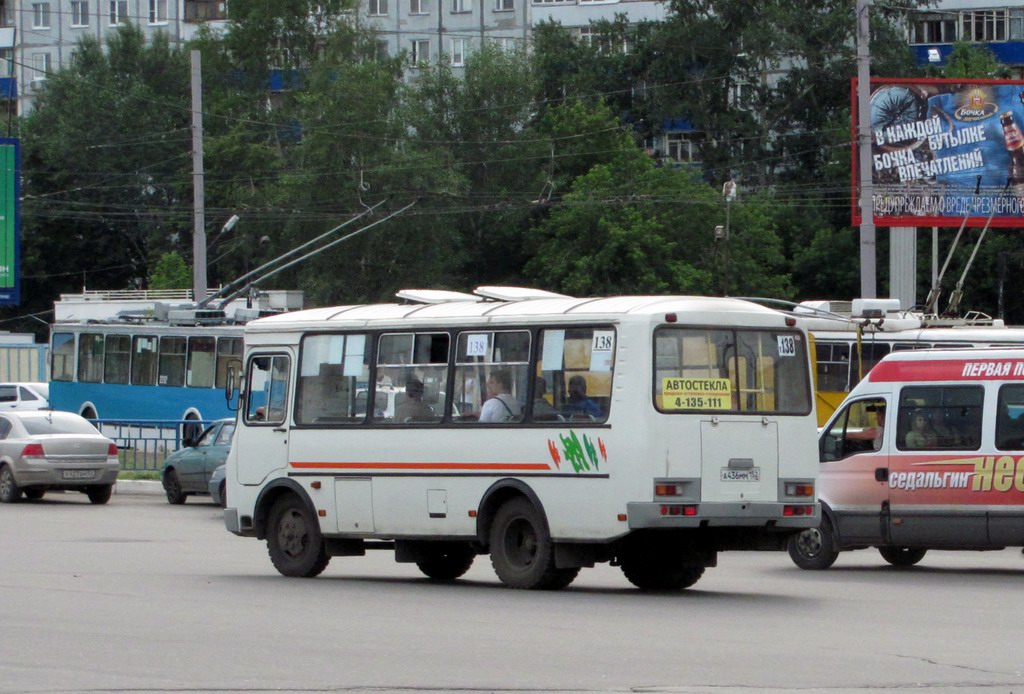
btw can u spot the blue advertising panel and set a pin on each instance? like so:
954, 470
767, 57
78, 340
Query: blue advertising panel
10, 222
943, 150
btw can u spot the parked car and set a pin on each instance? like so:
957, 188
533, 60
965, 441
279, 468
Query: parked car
218, 486
188, 470
24, 396
44, 450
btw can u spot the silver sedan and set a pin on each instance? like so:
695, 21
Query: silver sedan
45, 450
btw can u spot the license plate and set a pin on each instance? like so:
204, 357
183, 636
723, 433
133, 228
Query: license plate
750, 474
78, 474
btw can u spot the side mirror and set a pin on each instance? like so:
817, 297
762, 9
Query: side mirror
231, 385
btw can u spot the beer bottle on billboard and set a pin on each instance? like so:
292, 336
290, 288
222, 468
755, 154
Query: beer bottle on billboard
1014, 140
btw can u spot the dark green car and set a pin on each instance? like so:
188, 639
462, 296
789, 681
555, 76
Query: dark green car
188, 470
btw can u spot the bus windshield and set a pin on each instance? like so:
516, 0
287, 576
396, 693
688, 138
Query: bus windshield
721, 370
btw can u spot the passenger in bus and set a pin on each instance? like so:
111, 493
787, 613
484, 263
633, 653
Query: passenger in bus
413, 409
920, 434
500, 405
542, 409
579, 404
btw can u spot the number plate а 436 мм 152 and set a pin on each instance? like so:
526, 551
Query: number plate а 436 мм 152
750, 474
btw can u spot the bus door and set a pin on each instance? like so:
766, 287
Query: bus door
932, 466
852, 481
263, 447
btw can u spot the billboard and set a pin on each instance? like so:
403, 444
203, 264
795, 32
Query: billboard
942, 150
10, 222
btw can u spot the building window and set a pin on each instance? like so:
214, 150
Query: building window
506, 44
458, 52
679, 147
418, 7
933, 27
984, 25
504, 5
40, 15
118, 11
157, 11
1016, 25
378, 8
40, 66
460, 6
420, 51
79, 13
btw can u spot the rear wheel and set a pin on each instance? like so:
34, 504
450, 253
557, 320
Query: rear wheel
902, 556
34, 494
172, 486
100, 494
522, 553
293, 539
10, 492
814, 548
223, 494
446, 564
660, 574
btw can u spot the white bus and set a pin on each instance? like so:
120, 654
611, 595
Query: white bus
651, 432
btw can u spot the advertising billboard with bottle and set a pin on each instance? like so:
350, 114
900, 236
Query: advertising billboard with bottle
942, 150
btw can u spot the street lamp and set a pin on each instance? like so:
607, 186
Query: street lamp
729, 194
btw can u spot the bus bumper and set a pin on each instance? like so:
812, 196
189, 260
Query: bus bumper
658, 515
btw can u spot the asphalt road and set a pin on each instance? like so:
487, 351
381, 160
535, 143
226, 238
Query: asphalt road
142, 596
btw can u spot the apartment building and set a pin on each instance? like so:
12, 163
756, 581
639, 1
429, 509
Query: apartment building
998, 27
37, 37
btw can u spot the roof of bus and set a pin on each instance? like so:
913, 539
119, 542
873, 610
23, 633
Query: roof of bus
699, 310
975, 334
973, 364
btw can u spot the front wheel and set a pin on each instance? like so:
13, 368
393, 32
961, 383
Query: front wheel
522, 553
650, 575
10, 492
902, 557
814, 549
293, 539
172, 486
100, 494
34, 494
446, 564
223, 494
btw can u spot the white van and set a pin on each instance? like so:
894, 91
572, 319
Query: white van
24, 396
927, 452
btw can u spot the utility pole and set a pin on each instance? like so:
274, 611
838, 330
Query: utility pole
198, 198
868, 273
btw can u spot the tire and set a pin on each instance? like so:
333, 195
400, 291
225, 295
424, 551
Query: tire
10, 492
223, 494
902, 557
99, 494
294, 542
172, 486
447, 563
522, 553
34, 494
660, 575
814, 549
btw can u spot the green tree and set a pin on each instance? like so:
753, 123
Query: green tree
968, 61
171, 272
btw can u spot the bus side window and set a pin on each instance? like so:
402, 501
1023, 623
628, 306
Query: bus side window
267, 389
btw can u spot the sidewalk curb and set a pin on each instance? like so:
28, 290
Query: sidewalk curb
153, 487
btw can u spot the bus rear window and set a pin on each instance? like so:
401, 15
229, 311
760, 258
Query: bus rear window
709, 370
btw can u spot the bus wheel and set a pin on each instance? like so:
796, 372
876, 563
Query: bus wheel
293, 539
814, 548
660, 574
100, 494
172, 487
902, 557
10, 492
447, 563
521, 551
34, 494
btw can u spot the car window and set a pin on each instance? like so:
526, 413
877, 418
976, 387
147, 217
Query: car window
5, 428
27, 394
224, 437
8, 393
208, 437
38, 426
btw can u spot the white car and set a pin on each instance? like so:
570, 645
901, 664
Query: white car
48, 450
24, 396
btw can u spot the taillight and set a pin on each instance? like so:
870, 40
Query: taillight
112, 450
678, 510
796, 489
797, 510
33, 450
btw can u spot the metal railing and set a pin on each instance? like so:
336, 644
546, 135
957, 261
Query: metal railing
144, 444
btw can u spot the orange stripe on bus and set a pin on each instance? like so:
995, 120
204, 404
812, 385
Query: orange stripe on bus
420, 466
